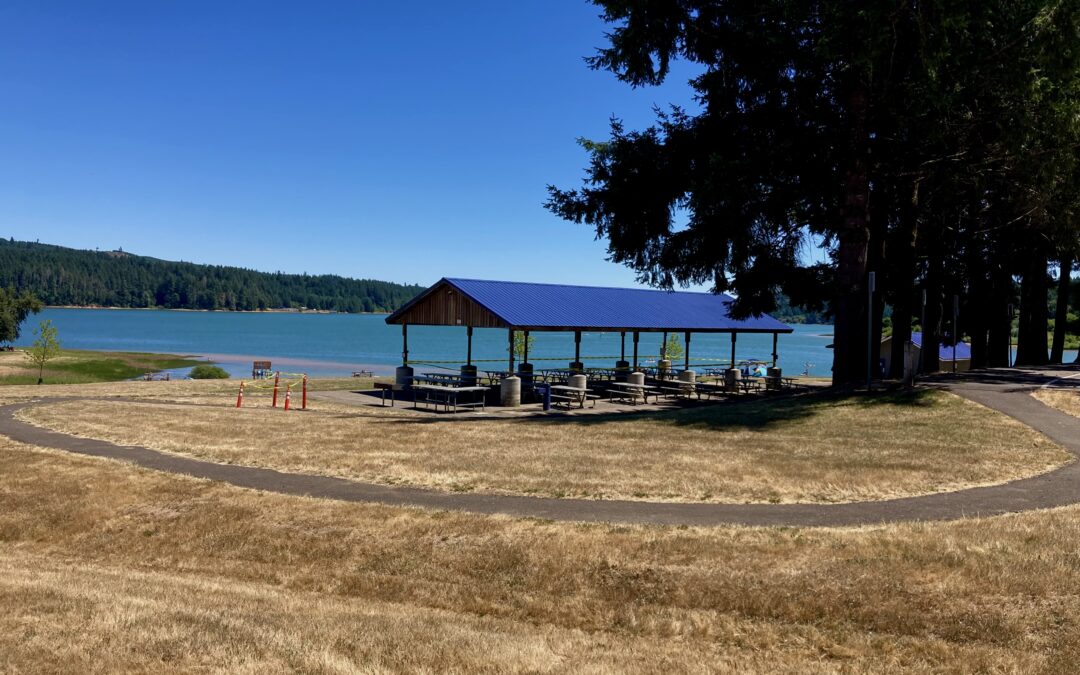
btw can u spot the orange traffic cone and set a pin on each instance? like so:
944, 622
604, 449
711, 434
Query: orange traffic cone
288, 395
240, 396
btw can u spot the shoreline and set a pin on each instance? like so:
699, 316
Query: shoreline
222, 311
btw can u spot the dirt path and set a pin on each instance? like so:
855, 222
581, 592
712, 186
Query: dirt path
1007, 391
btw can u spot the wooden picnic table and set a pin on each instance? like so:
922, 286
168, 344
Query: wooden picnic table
630, 392
747, 384
556, 374
572, 395
438, 394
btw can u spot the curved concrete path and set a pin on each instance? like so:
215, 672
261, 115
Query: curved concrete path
1005, 391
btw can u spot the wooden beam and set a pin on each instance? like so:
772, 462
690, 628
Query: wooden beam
686, 352
775, 336
404, 344
636, 335
733, 334
468, 353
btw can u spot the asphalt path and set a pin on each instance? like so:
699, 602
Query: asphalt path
1005, 390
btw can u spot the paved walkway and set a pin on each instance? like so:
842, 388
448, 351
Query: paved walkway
1004, 390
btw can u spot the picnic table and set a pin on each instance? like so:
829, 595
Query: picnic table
439, 378
382, 388
747, 385
571, 395
677, 388
630, 392
555, 374
439, 394
601, 373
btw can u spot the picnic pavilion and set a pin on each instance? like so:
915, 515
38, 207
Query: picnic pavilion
535, 307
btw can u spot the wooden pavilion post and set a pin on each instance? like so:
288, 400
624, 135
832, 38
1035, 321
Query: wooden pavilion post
525, 356
622, 354
511, 368
468, 352
577, 346
404, 344
686, 352
663, 347
775, 336
733, 349
636, 336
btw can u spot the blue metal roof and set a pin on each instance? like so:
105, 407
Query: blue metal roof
945, 352
553, 306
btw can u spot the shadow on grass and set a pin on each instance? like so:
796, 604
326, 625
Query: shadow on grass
762, 414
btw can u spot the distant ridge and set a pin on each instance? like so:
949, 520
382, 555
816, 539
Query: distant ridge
73, 277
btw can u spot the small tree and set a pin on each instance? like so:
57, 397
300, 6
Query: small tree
45, 348
520, 345
672, 350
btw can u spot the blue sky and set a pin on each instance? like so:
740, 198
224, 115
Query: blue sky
398, 141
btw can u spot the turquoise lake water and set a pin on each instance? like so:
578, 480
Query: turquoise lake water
337, 344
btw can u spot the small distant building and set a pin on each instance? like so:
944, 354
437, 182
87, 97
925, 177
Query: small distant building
945, 352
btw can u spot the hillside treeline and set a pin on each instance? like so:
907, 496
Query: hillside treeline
64, 276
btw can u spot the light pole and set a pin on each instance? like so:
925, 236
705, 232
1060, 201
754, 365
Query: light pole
1010, 335
955, 332
871, 282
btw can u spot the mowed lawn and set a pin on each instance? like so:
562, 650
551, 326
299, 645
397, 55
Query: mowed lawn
80, 366
105, 567
1065, 400
804, 449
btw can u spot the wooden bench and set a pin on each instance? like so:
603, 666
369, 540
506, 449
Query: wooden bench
569, 401
686, 389
382, 388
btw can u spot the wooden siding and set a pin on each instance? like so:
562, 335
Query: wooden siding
447, 306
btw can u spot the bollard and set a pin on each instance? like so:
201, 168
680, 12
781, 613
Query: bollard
638, 378
303, 401
277, 378
240, 396
545, 393
732, 378
663, 369
687, 380
510, 391
288, 394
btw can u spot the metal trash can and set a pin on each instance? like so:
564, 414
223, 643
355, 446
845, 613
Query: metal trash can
544, 389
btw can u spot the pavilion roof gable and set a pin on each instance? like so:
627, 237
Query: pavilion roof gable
536, 306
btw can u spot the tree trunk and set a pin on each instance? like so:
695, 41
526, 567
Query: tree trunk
1061, 311
931, 332
977, 307
1031, 347
849, 306
902, 282
1002, 292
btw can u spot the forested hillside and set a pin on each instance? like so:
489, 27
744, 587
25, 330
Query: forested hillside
64, 276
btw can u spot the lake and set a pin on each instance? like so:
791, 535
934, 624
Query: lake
337, 344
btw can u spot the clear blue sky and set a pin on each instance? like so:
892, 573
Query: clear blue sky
398, 141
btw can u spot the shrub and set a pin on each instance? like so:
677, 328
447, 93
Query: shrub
207, 372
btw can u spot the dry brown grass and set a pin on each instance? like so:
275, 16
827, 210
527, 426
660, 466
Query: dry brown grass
1065, 400
105, 568
799, 450
203, 392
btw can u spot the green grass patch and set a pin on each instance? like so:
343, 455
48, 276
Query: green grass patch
81, 367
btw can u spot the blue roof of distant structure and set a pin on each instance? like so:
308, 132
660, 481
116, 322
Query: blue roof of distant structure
535, 306
963, 349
